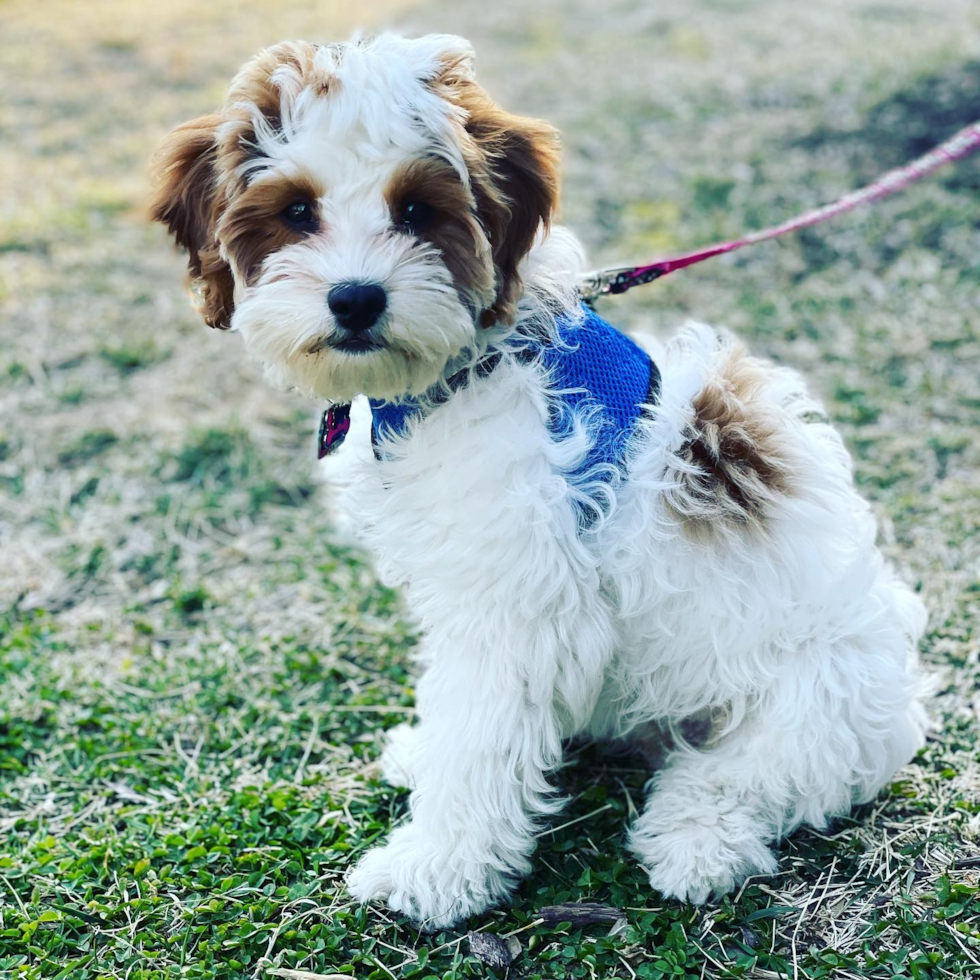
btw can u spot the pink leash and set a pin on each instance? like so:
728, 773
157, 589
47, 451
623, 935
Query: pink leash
618, 280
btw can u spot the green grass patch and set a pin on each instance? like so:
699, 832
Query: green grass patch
127, 358
87, 447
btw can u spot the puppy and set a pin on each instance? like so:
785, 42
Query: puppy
597, 537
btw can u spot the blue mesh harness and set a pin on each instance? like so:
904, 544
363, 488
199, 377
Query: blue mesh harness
596, 374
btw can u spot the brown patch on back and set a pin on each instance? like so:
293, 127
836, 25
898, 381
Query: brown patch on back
513, 166
734, 465
454, 228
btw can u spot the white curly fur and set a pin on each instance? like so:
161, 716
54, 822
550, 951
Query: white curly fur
786, 627
535, 632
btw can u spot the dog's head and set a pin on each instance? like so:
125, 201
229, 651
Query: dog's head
358, 211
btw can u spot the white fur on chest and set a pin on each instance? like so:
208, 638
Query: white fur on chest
794, 640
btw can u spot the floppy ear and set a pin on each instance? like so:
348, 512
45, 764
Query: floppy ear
186, 201
515, 181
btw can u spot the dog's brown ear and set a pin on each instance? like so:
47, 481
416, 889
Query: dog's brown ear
514, 178
186, 201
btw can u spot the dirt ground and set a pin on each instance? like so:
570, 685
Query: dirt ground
197, 666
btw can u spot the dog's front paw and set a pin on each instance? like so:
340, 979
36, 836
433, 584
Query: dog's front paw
694, 862
426, 879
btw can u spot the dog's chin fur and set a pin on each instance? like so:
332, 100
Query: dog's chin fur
728, 574
285, 324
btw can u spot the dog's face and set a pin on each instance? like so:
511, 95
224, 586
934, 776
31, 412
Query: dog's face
358, 211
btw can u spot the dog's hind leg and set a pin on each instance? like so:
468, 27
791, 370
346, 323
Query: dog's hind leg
765, 598
840, 718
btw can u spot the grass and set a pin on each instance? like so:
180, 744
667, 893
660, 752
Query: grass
197, 666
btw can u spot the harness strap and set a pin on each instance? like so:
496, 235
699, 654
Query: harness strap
393, 416
483, 369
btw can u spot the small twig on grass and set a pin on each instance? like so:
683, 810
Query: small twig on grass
517, 932
631, 810
963, 864
308, 750
571, 823
20, 904
799, 925
581, 914
383, 967
959, 943
438, 949
708, 957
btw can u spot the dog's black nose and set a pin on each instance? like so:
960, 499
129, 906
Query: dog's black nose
357, 305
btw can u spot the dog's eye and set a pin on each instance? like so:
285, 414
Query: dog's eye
415, 215
299, 214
